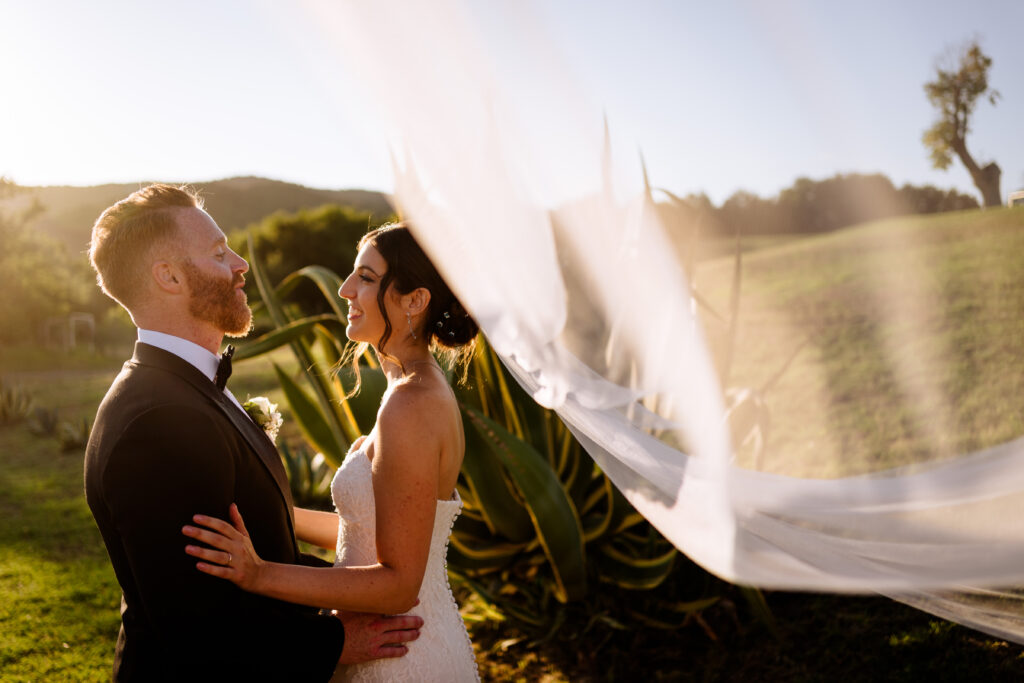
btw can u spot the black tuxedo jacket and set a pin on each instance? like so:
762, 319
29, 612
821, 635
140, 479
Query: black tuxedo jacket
166, 445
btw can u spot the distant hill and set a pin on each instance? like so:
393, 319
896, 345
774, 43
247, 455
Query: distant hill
69, 212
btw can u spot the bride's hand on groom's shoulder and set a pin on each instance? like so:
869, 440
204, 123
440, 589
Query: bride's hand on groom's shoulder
232, 555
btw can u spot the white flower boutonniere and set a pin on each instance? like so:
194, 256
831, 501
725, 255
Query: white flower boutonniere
265, 415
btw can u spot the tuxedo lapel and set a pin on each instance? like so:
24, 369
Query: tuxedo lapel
259, 441
256, 438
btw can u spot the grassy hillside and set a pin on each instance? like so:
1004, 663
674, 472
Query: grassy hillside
906, 338
69, 212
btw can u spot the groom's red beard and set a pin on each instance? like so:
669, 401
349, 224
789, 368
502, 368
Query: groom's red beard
215, 300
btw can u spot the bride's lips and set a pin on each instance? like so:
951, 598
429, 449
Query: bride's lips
354, 313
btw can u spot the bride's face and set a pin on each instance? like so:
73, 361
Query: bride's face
360, 288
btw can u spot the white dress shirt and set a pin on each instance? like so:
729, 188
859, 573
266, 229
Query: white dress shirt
194, 354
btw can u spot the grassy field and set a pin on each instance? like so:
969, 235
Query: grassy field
906, 338
58, 599
857, 396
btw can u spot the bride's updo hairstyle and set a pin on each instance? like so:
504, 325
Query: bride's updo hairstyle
449, 330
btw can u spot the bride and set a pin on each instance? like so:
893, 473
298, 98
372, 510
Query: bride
395, 491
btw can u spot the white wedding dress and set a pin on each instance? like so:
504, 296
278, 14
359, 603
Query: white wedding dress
443, 651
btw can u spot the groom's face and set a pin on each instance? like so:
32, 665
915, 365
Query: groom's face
214, 274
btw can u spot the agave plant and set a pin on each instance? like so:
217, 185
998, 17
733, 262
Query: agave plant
43, 422
309, 477
15, 404
543, 528
74, 435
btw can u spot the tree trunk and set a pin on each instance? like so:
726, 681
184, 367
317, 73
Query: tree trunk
989, 185
985, 179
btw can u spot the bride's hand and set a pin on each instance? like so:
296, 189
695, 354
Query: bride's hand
234, 558
357, 443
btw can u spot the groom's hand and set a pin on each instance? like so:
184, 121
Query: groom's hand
374, 636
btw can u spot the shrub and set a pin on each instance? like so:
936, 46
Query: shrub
15, 404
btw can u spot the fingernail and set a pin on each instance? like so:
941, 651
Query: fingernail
187, 529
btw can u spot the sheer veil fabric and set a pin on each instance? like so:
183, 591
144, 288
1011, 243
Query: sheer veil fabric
552, 239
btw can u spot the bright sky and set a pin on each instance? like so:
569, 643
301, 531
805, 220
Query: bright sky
734, 94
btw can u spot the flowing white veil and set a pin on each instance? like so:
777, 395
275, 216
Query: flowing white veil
555, 244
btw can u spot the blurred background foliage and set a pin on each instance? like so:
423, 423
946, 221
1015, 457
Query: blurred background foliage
810, 206
39, 277
284, 243
44, 233
44, 241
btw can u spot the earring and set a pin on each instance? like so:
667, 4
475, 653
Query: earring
408, 318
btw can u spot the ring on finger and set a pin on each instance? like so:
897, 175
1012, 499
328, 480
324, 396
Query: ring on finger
229, 559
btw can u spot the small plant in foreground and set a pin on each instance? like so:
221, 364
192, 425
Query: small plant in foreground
43, 422
15, 404
73, 435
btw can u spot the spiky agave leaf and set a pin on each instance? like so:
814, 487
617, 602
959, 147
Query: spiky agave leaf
553, 515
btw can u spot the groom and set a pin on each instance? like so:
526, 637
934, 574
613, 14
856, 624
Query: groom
168, 443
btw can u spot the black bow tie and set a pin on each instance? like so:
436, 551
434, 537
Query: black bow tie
224, 367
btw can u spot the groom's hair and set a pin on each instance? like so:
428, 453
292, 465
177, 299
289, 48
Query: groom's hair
125, 233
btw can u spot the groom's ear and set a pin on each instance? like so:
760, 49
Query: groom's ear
167, 277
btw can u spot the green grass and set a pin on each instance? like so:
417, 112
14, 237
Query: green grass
907, 337
58, 597
713, 247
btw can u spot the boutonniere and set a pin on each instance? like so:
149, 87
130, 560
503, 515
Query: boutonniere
265, 415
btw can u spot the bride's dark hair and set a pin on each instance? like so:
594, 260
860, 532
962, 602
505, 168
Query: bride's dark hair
448, 328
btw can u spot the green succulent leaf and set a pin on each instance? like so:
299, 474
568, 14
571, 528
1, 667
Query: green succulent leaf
287, 334
472, 555
551, 511
310, 419
491, 490
326, 280
633, 571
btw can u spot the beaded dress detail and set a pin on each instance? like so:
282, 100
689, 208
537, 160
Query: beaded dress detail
443, 651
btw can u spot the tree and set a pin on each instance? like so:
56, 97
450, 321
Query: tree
40, 278
325, 236
960, 80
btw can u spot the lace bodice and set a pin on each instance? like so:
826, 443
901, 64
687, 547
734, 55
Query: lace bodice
443, 651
